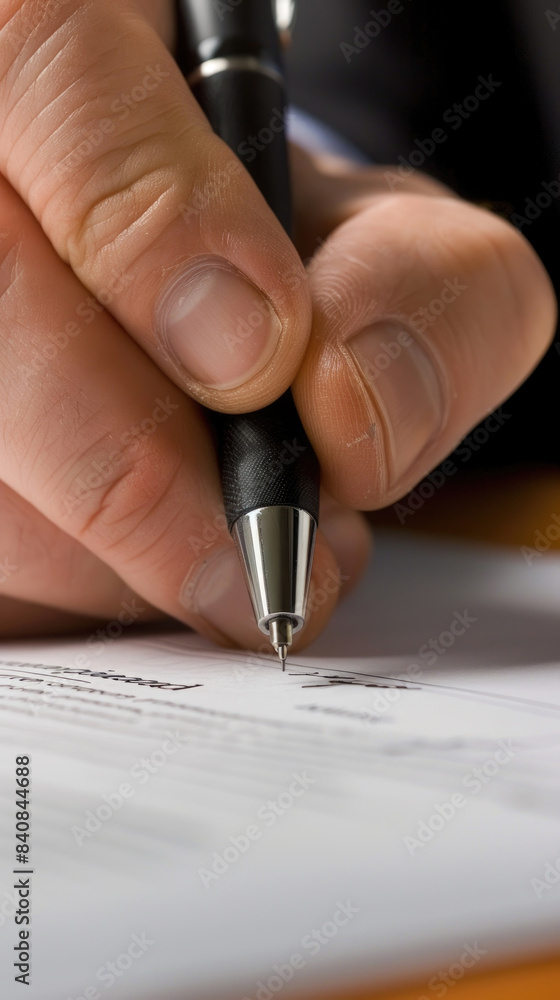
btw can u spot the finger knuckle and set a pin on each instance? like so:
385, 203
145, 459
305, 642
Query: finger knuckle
122, 498
123, 206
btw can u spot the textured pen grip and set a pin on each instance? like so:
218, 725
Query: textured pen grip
266, 458
246, 109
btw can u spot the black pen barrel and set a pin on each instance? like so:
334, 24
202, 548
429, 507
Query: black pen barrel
265, 456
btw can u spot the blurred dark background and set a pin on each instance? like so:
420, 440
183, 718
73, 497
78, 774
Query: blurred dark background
397, 88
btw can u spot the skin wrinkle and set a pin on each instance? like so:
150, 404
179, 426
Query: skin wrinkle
165, 557
166, 168
51, 137
34, 80
130, 191
42, 114
50, 445
99, 154
108, 51
83, 461
378, 445
29, 438
47, 549
35, 547
160, 122
409, 260
105, 503
18, 174
338, 298
77, 251
38, 154
98, 165
9, 30
68, 401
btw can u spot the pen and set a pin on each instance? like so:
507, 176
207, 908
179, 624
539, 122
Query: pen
231, 56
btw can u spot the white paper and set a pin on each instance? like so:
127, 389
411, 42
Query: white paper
272, 815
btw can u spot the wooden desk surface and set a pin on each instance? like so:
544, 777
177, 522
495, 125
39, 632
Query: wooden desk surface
531, 981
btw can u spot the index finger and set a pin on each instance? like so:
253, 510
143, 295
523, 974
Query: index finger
102, 138
98, 440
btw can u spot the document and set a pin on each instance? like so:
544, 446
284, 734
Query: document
186, 822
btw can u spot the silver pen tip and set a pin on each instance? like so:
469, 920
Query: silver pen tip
281, 631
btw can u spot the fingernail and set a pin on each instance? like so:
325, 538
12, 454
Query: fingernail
406, 386
217, 326
217, 592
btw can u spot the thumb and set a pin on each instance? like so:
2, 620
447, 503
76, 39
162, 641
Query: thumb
429, 313
155, 215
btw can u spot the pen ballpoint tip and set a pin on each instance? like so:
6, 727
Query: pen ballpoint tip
281, 629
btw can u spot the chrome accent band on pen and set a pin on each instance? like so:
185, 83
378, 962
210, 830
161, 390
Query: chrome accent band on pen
245, 63
270, 475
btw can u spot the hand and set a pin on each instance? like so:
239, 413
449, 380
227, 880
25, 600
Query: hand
116, 188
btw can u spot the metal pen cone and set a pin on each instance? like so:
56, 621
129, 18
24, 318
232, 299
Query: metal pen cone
275, 545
